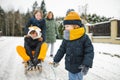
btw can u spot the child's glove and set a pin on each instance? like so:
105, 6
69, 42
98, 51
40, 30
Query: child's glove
40, 39
54, 64
84, 69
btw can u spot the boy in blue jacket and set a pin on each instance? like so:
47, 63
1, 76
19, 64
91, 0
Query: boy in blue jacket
76, 46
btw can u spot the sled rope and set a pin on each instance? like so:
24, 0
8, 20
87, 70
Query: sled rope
54, 72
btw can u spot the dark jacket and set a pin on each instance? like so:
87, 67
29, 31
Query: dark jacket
32, 43
77, 52
40, 23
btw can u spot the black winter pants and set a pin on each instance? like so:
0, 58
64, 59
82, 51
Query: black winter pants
29, 50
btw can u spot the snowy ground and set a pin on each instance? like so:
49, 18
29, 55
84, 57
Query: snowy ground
106, 63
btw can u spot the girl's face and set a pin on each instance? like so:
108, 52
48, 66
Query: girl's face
38, 16
50, 16
69, 27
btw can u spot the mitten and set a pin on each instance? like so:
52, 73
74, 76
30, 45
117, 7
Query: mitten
40, 39
84, 69
55, 64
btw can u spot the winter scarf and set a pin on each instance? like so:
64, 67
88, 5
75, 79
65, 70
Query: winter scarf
74, 34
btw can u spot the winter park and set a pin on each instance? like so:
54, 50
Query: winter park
43, 40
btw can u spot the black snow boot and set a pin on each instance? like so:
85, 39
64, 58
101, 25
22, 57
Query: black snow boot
30, 64
39, 63
35, 60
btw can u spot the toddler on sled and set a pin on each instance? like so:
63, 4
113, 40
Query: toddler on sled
34, 50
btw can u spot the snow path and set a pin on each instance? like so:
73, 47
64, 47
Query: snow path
105, 67
11, 67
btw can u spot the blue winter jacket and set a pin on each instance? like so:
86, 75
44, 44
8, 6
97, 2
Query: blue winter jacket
40, 23
77, 52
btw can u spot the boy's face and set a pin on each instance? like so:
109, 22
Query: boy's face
38, 16
34, 34
69, 27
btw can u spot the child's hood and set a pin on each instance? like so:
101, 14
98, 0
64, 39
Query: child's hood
37, 29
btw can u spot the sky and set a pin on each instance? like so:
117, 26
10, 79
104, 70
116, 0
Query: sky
108, 8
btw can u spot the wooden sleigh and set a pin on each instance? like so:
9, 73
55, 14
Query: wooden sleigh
22, 52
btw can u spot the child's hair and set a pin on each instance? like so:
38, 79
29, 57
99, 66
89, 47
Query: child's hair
50, 12
36, 11
33, 32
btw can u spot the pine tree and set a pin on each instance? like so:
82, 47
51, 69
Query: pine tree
60, 30
28, 15
35, 5
10, 23
2, 21
43, 8
17, 28
94, 18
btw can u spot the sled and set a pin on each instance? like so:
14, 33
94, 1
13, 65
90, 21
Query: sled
22, 52
34, 68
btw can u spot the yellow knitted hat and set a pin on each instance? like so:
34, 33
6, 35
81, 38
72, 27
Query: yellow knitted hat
73, 18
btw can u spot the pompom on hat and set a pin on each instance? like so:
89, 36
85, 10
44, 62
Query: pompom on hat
72, 18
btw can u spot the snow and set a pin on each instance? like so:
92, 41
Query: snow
106, 64
105, 48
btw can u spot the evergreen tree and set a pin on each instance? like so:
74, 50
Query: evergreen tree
17, 28
43, 8
10, 23
28, 15
60, 30
2, 20
96, 19
35, 5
